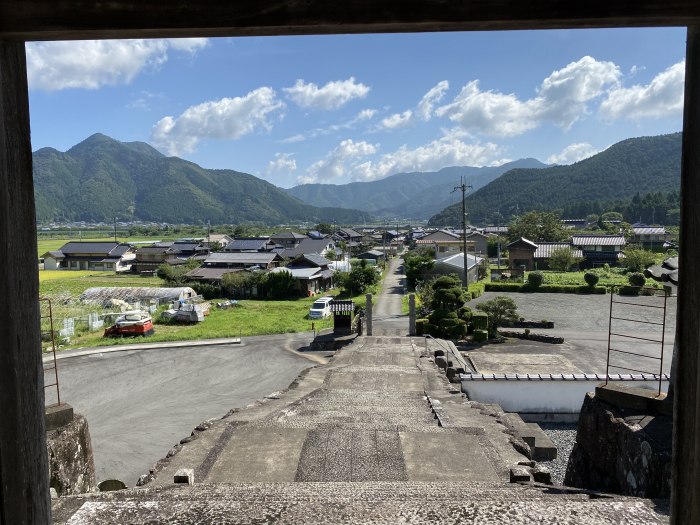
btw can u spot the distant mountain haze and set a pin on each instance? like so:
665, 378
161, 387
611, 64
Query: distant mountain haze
102, 178
417, 195
634, 166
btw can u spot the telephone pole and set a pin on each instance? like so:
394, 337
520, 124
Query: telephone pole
464, 186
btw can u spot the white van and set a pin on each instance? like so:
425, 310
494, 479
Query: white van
321, 308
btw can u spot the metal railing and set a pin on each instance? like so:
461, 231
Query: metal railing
613, 334
48, 334
448, 350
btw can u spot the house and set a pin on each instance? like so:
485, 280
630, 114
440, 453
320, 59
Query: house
243, 260
211, 275
149, 258
348, 235
287, 239
101, 256
648, 237
372, 255
545, 249
219, 240
598, 250
575, 224
251, 244
455, 264
441, 235
496, 230
189, 249
311, 273
521, 254
307, 245
479, 242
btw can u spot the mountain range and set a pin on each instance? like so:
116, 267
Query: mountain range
634, 166
101, 178
417, 195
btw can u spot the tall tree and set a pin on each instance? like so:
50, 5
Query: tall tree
537, 226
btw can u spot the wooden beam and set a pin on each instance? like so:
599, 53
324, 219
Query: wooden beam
24, 491
88, 19
685, 494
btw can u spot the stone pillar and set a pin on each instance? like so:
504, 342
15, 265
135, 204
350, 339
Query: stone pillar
685, 491
412, 314
368, 313
24, 483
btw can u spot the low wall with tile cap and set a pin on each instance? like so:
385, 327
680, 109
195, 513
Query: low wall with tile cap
546, 393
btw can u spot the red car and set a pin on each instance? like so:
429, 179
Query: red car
131, 324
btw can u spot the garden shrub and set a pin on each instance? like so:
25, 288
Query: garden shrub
465, 313
480, 336
420, 326
535, 279
591, 279
445, 324
501, 310
480, 321
637, 279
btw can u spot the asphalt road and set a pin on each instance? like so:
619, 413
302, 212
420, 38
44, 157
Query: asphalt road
387, 318
139, 403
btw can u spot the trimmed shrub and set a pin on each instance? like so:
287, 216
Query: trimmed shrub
591, 279
637, 279
545, 288
420, 326
465, 313
480, 321
535, 279
480, 336
628, 290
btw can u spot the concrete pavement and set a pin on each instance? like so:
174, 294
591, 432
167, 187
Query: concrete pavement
387, 316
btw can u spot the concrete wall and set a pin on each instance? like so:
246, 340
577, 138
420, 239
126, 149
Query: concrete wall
562, 395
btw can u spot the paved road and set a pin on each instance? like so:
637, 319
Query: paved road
387, 316
139, 403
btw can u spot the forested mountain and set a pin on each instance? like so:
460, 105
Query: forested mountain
417, 195
102, 178
632, 167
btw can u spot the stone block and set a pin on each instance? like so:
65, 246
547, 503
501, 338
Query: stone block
58, 416
542, 475
441, 362
627, 396
184, 475
520, 474
71, 463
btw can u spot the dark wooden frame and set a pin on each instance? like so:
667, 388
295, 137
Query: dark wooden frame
23, 481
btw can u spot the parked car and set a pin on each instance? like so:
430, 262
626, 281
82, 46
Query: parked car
321, 308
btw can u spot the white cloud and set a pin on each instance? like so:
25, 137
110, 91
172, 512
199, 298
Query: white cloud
91, 64
397, 120
336, 162
333, 95
365, 114
299, 137
432, 97
282, 163
573, 153
662, 97
228, 118
561, 98
446, 151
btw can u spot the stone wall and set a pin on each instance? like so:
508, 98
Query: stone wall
621, 450
71, 464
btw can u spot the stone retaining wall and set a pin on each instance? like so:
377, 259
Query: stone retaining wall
71, 464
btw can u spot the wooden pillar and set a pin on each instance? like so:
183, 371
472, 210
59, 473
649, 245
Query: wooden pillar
685, 493
24, 491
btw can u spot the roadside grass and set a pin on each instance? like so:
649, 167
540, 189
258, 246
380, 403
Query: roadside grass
249, 318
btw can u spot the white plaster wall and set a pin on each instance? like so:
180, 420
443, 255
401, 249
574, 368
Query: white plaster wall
541, 396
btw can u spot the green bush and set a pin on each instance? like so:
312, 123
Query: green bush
501, 310
465, 313
420, 326
628, 290
535, 279
591, 279
545, 288
480, 336
637, 279
480, 321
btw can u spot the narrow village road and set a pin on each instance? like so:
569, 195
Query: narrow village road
387, 316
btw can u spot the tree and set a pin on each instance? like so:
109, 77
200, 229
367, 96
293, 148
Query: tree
562, 259
416, 264
324, 228
280, 285
357, 280
610, 220
537, 226
448, 296
501, 310
637, 260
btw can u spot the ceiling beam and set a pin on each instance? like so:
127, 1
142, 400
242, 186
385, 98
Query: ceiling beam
99, 19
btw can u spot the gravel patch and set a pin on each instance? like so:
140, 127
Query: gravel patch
563, 435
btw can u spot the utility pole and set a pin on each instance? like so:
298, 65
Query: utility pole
464, 186
115, 229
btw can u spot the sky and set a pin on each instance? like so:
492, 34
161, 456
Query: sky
344, 108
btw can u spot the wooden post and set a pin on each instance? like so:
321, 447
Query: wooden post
685, 492
24, 490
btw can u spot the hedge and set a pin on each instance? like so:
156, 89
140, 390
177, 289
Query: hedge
545, 288
420, 326
480, 321
480, 336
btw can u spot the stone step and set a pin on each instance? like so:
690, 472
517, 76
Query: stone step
540, 445
367, 503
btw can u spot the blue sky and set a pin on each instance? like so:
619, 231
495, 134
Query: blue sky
336, 109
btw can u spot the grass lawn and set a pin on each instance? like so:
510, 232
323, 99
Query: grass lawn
248, 318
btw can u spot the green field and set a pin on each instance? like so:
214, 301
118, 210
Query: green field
46, 245
74, 282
